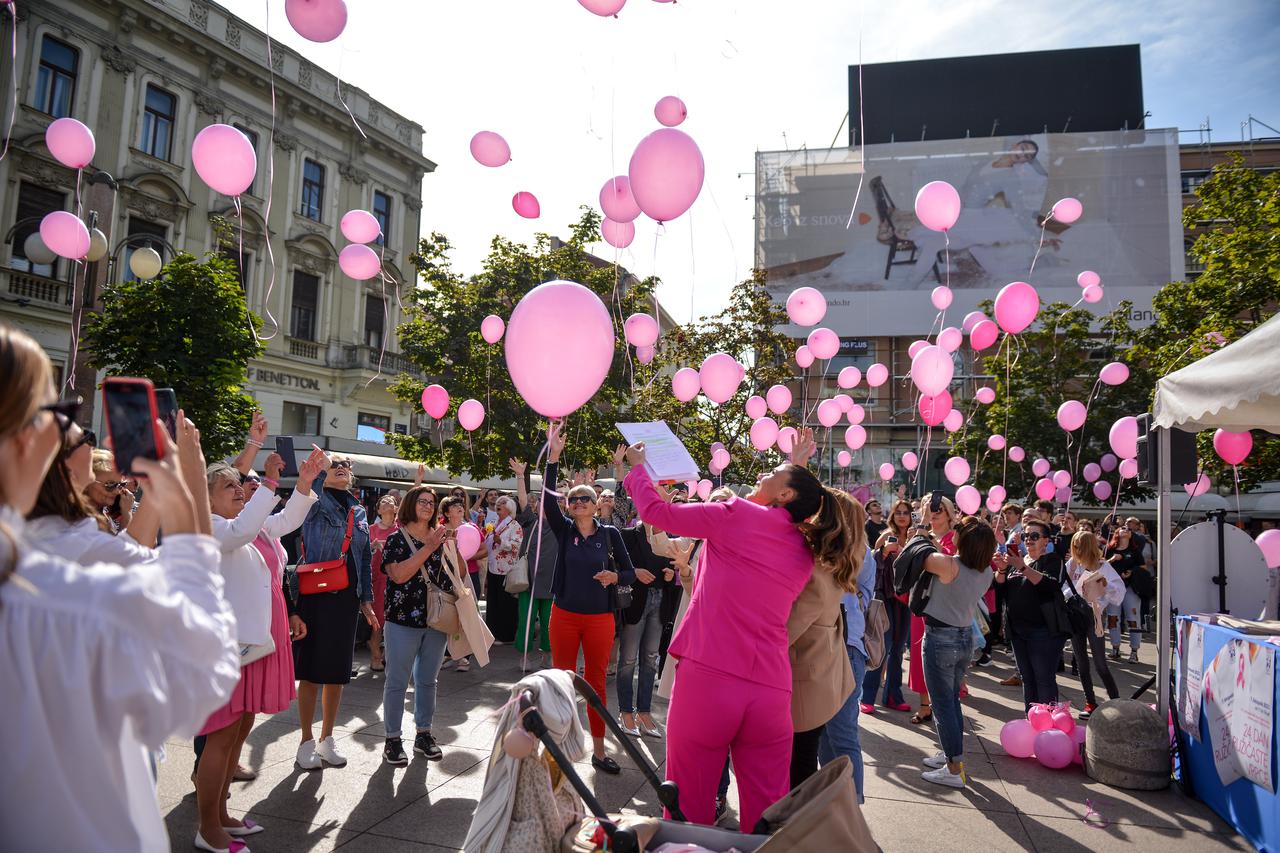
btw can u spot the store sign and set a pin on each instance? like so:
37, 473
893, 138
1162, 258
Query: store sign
286, 380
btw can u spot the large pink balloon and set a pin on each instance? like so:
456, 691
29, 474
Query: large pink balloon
491, 328
950, 339
823, 343
855, 436
886, 471
1109, 461
756, 407
985, 395
932, 370
644, 355
996, 442
1040, 467
934, 409
849, 377
998, 492
1071, 415
910, 460
467, 538
806, 306
720, 376
843, 458
526, 204
953, 421
720, 458
641, 330
829, 413
359, 226
972, 319
1092, 294
435, 401
490, 149
616, 200
619, 235
1123, 437
1016, 306
984, 334
1045, 489
779, 399
1054, 748
914, 349
65, 235
360, 262
1114, 373
704, 489
787, 439
1061, 478
1269, 542
764, 432
559, 311
804, 356
957, 470
224, 159
470, 415
877, 375
1092, 471
968, 499
1128, 469
1232, 447
941, 297
938, 205
1088, 278
1102, 490
856, 414
70, 143
685, 384
845, 402
1018, 738
670, 111
666, 173
1199, 486
1067, 210
1017, 454
317, 20
603, 8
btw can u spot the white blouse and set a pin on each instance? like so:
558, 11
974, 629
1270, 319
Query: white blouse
101, 665
85, 542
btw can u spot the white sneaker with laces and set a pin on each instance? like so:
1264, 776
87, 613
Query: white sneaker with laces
1133, 657
935, 761
307, 758
327, 751
943, 776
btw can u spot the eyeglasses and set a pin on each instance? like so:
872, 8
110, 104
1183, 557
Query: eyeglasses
64, 412
902, 512
1032, 536
113, 485
580, 499
88, 437
425, 502
341, 463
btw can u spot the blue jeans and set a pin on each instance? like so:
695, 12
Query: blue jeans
422, 651
895, 643
841, 734
947, 652
640, 644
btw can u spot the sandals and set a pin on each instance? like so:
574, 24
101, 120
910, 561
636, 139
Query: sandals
924, 715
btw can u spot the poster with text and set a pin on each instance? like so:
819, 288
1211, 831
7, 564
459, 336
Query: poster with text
1190, 676
1252, 719
1219, 696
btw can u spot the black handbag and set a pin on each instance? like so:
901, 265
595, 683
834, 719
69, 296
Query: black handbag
1079, 612
1057, 617
620, 594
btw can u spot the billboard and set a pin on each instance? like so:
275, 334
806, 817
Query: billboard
877, 265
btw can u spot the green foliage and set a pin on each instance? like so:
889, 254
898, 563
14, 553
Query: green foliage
187, 329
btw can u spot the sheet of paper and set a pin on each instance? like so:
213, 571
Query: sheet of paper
666, 457
1190, 677
1252, 719
1219, 702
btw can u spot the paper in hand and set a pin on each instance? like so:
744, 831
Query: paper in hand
666, 458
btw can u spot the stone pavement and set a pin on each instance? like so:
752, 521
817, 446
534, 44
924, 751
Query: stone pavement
1010, 804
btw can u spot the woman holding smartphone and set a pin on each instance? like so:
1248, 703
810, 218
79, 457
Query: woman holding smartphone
1031, 582
886, 549
939, 514
381, 529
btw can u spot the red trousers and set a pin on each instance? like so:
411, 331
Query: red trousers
593, 634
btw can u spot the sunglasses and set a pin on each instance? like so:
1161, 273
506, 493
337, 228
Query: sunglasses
88, 437
580, 499
64, 412
1032, 536
252, 478
340, 464
113, 485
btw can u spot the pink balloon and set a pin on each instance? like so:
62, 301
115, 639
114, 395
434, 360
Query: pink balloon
910, 460
932, 370
1067, 210
619, 235
559, 311
1201, 485
616, 200
877, 375
435, 401
641, 330
1045, 489
855, 436
490, 149
491, 328
71, 143
938, 206
470, 415
914, 349
644, 355
997, 491
685, 384
467, 537
1040, 717
806, 306
1061, 478
972, 319
786, 439
1128, 469
1092, 294
779, 399
526, 204
845, 401
1123, 438
704, 489
985, 395
993, 505
1109, 461
856, 414
829, 413
360, 262
984, 334
1114, 373
1231, 447
1269, 542
720, 377
996, 442
1102, 490
317, 20
1040, 467
1017, 304
934, 410
720, 458
843, 458
804, 356
849, 377
886, 471
957, 470
823, 343
1017, 454
1071, 415
224, 159
953, 421
756, 407
1054, 748
65, 235
1092, 472
1018, 738
968, 499
670, 111
764, 432
358, 226
941, 297
603, 8
692, 486
666, 173
950, 339
1088, 278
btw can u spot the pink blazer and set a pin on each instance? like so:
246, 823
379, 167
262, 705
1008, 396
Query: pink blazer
754, 565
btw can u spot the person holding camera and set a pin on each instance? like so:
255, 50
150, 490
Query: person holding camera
1031, 583
939, 515
886, 548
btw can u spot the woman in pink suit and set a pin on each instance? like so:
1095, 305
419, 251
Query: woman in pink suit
732, 692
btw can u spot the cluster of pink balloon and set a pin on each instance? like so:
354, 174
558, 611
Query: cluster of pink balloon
63, 233
358, 260
1049, 733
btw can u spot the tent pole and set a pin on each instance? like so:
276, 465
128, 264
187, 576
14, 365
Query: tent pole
1163, 567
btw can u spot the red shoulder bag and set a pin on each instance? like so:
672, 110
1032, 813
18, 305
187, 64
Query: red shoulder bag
330, 575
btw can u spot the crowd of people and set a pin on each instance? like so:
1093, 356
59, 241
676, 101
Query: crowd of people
180, 614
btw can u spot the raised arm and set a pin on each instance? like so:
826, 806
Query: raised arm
303, 498
522, 491
252, 444
701, 521
231, 533
550, 509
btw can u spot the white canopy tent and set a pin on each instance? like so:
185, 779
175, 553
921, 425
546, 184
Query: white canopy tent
1237, 389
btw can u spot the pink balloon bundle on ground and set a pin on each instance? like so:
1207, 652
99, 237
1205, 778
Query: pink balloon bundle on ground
806, 306
937, 206
471, 415
435, 401
1040, 717
317, 20
360, 262
670, 111
1054, 748
934, 409
685, 384
491, 328
360, 226
666, 173
641, 330
1018, 738
1016, 306
490, 149
616, 200
619, 235
71, 143
224, 159
526, 204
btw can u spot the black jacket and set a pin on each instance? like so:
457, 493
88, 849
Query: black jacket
909, 574
643, 557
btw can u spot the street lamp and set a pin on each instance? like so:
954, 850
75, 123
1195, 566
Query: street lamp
144, 262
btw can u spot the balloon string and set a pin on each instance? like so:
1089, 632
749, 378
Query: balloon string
13, 65
1044, 223
341, 55
537, 557
271, 182
1235, 471
862, 140
81, 272
248, 311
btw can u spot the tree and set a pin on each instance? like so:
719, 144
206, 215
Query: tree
442, 336
188, 329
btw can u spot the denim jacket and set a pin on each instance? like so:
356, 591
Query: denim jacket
324, 529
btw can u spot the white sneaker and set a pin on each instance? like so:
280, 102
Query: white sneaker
943, 776
936, 761
1133, 657
307, 758
327, 751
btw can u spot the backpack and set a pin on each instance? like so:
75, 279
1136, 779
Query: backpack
875, 625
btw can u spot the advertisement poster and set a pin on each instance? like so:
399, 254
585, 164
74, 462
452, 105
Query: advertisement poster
1252, 719
1190, 676
1219, 700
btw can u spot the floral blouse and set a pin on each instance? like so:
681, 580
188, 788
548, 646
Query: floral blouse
505, 545
407, 602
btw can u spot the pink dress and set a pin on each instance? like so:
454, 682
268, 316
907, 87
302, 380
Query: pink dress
378, 533
915, 673
266, 686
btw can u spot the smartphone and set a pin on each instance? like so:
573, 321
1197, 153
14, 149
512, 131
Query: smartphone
167, 406
935, 502
891, 539
131, 416
284, 447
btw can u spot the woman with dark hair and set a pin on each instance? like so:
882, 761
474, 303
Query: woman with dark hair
939, 517
733, 683
1031, 582
453, 514
379, 531
886, 549
1125, 556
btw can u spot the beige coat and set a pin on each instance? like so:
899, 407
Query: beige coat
821, 678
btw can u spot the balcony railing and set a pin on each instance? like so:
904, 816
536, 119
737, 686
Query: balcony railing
309, 350
47, 292
366, 358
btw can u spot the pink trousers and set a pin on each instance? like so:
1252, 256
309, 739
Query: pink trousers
714, 715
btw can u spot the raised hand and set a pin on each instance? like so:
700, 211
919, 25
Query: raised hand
804, 447
258, 430
517, 467
310, 468
274, 466
555, 441
619, 454
635, 454
166, 486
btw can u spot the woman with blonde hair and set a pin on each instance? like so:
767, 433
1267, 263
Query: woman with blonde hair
1086, 562
939, 515
379, 531
886, 549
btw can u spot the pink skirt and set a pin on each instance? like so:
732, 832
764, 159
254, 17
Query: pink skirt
915, 673
266, 686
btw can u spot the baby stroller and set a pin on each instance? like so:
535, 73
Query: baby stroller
819, 816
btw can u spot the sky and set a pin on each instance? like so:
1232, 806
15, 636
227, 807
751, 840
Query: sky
573, 93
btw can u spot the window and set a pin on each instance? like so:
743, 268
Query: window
1192, 180
33, 203
56, 79
157, 122
382, 213
243, 264
302, 314
372, 427
1194, 265
300, 419
253, 140
148, 229
312, 189
374, 315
